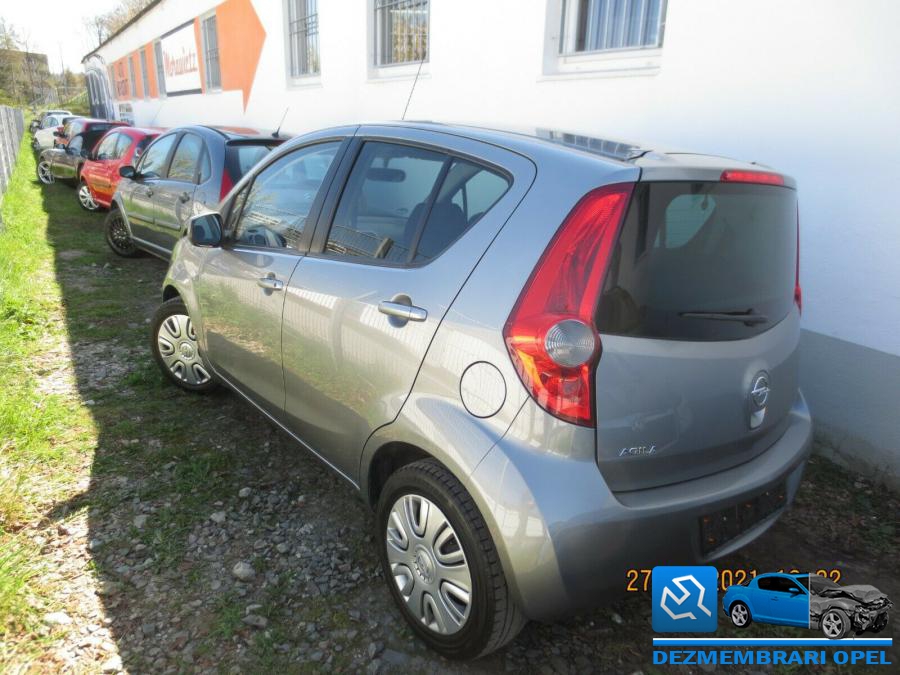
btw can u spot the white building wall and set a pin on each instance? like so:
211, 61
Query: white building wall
810, 87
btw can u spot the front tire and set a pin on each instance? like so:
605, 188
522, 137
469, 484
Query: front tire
44, 174
175, 348
85, 198
740, 615
835, 624
441, 565
117, 236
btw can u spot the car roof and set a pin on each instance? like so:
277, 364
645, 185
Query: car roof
532, 141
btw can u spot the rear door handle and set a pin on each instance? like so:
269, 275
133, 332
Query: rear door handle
402, 311
184, 197
270, 283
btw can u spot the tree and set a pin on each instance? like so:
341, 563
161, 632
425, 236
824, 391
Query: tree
102, 26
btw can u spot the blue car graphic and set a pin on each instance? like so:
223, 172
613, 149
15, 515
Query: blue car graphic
807, 601
769, 598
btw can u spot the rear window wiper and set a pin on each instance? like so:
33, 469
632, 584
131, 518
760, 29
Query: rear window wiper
748, 317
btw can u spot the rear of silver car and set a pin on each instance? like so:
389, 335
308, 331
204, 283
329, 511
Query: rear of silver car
649, 358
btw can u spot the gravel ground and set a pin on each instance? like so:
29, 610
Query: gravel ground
197, 538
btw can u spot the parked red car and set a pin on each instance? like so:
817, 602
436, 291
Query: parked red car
121, 146
79, 125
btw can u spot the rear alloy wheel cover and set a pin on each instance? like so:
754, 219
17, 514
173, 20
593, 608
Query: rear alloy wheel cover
44, 173
428, 564
85, 198
177, 343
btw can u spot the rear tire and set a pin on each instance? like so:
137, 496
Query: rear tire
117, 236
85, 198
175, 349
423, 567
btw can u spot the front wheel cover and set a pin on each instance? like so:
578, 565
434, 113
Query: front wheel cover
487, 616
117, 237
740, 615
835, 624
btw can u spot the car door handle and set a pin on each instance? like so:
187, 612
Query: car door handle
402, 311
270, 283
184, 197
148, 192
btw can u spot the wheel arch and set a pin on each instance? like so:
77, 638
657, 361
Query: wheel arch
386, 460
169, 292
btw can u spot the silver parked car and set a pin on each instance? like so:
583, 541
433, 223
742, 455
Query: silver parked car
542, 359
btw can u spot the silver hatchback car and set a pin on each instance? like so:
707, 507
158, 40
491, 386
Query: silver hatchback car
543, 359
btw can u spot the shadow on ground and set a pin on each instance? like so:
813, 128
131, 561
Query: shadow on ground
184, 488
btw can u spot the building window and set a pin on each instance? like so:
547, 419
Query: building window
401, 31
131, 79
145, 80
606, 25
303, 37
211, 52
160, 68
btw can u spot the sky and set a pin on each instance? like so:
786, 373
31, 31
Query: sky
56, 27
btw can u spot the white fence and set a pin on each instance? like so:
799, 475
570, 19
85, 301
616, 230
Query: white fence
12, 126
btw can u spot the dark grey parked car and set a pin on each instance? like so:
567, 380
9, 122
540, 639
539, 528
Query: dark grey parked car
64, 163
183, 172
542, 359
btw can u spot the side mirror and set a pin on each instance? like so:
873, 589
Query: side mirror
86, 153
206, 230
59, 134
127, 171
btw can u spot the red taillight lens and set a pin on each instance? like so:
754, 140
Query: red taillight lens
227, 184
565, 287
762, 177
798, 290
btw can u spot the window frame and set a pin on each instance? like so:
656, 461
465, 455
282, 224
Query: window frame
145, 77
132, 83
562, 63
160, 69
413, 64
245, 185
204, 18
326, 217
567, 23
311, 77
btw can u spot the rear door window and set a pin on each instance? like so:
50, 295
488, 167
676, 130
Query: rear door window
405, 205
184, 161
688, 251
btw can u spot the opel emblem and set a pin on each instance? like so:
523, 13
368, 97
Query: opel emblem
759, 397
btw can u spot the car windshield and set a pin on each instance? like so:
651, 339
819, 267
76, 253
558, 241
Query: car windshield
818, 583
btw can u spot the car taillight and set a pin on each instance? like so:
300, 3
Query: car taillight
798, 290
227, 184
762, 177
550, 334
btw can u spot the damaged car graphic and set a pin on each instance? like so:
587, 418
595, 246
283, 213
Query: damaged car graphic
839, 609
807, 600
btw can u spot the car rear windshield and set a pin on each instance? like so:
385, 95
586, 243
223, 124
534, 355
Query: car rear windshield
693, 256
241, 157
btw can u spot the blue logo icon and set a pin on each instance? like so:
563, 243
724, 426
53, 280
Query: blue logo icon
684, 599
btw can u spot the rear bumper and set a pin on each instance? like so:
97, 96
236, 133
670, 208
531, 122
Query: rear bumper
567, 541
